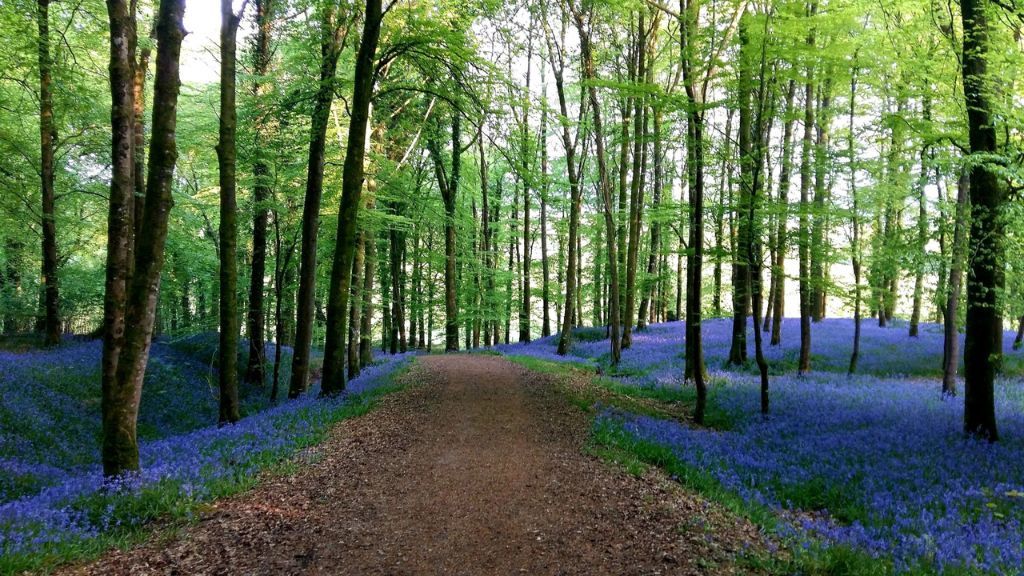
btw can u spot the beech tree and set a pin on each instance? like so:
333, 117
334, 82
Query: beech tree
130, 302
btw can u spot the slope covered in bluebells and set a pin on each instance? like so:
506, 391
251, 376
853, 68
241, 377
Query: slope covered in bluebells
50, 414
50, 477
875, 463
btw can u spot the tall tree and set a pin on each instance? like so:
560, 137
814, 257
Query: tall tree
781, 236
806, 159
583, 18
226, 161
351, 196
448, 182
130, 311
47, 146
254, 372
983, 346
951, 326
569, 143
333, 33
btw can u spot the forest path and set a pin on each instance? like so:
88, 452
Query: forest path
479, 468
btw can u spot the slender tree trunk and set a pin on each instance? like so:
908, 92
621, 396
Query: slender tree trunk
637, 184
951, 330
855, 247
122, 392
651, 297
1019, 338
724, 198
781, 235
545, 267
226, 161
254, 372
449, 185
741, 274
356, 306
47, 146
330, 50
396, 242
119, 404
605, 185
512, 243
526, 308
486, 248
806, 303
569, 310
922, 230
138, 202
819, 223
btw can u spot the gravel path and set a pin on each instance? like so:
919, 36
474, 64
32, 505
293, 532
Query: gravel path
477, 468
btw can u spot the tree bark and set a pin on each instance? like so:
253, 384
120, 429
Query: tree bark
121, 394
351, 197
951, 330
983, 346
614, 317
47, 146
119, 407
449, 185
226, 160
366, 320
819, 223
920, 253
330, 50
855, 247
806, 303
637, 184
254, 372
650, 301
569, 143
781, 235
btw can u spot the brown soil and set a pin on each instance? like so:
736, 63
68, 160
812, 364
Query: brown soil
479, 468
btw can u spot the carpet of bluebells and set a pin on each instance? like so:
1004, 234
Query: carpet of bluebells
51, 489
876, 462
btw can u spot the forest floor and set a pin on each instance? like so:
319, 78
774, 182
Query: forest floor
479, 466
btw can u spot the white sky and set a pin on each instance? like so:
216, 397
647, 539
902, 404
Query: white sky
199, 51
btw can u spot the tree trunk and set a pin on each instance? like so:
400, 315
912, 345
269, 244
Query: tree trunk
254, 372
351, 198
983, 346
637, 184
396, 240
805, 188
330, 50
650, 300
920, 253
855, 247
449, 185
128, 355
781, 236
1019, 338
741, 275
614, 317
47, 145
226, 160
366, 320
545, 266
819, 222
951, 330
569, 309
356, 306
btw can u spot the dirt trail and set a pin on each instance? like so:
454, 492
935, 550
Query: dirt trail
478, 469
